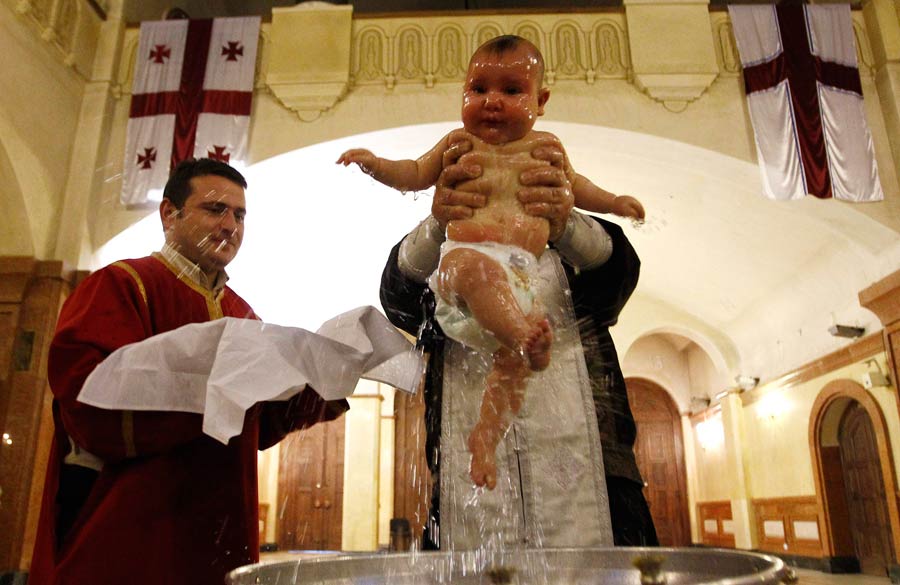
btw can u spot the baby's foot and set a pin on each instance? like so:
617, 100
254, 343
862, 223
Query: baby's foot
537, 346
483, 469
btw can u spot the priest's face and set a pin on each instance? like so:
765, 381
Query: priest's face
209, 228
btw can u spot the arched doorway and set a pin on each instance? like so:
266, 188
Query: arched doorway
659, 450
854, 472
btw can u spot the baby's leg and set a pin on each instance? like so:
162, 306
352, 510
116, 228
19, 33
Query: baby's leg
482, 283
502, 400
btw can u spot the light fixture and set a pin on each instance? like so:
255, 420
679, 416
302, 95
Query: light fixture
846, 331
874, 379
699, 404
746, 383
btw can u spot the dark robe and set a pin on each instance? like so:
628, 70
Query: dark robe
170, 505
598, 296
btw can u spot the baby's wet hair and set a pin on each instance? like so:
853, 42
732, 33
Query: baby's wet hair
507, 43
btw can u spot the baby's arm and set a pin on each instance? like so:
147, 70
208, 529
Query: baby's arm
590, 197
403, 175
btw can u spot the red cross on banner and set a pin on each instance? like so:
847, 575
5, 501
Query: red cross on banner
805, 100
192, 95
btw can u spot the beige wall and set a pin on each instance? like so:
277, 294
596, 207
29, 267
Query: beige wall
46, 64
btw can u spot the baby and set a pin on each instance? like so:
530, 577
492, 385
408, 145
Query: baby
484, 282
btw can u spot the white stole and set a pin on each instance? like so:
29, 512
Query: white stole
551, 489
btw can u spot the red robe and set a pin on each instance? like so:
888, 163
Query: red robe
171, 505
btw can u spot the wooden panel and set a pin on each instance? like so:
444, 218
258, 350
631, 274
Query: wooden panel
412, 479
32, 293
311, 488
715, 520
836, 501
864, 485
793, 515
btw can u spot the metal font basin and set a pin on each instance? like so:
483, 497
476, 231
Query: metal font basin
597, 566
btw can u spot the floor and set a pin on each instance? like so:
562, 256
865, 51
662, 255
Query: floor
816, 578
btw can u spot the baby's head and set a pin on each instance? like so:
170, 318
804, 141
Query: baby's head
503, 93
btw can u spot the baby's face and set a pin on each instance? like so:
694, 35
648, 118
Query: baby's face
502, 96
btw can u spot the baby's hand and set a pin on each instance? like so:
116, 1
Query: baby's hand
360, 156
626, 206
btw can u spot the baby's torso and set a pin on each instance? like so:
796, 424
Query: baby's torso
503, 219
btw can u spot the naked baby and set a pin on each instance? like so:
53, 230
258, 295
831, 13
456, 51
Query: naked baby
484, 282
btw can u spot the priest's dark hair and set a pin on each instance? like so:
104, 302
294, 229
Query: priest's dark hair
178, 187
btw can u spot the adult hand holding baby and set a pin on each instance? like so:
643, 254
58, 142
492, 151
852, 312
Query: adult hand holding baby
545, 191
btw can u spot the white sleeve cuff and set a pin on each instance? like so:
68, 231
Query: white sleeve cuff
584, 244
420, 250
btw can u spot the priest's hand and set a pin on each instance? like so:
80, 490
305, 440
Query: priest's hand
449, 202
547, 191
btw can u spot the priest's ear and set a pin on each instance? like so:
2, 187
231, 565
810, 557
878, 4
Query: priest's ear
167, 213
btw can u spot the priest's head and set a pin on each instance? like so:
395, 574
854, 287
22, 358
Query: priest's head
202, 212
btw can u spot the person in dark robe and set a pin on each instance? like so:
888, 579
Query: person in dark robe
140, 496
602, 270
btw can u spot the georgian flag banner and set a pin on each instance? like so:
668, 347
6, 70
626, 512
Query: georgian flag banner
805, 100
193, 87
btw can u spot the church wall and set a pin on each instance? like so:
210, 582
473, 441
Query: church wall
388, 87
47, 49
712, 483
781, 417
655, 358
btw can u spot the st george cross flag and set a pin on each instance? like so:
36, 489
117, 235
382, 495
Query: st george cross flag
193, 86
805, 101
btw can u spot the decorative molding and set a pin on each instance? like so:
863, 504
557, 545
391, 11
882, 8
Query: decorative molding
883, 298
859, 350
436, 50
302, 76
726, 49
60, 24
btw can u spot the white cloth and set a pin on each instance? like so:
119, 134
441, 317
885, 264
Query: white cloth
221, 368
457, 321
551, 488
848, 143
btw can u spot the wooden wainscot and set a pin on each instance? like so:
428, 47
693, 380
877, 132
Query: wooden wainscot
789, 526
716, 524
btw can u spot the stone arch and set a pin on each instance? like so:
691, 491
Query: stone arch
831, 402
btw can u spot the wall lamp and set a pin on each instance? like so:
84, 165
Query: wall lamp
846, 331
746, 383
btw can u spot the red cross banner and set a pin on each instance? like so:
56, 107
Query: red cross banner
805, 101
191, 97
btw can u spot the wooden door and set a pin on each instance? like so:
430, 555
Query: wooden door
864, 485
311, 488
659, 450
412, 480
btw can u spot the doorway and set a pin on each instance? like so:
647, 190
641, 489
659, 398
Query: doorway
855, 477
311, 488
659, 450
864, 491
